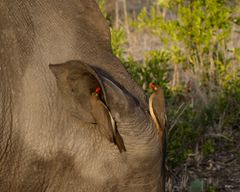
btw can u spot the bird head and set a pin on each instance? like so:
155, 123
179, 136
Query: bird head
153, 86
97, 91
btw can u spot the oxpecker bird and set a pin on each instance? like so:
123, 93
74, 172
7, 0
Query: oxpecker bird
158, 113
105, 121
157, 108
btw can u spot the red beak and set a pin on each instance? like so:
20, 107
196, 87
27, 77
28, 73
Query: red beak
97, 90
152, 86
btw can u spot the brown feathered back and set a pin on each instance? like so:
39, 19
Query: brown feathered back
158, 113
157, 109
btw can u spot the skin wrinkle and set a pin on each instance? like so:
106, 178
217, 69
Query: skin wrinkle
135, 128
14, 149
6, 113
49, 105
6, 127
8, 142
23, 29
37, 125
3, 124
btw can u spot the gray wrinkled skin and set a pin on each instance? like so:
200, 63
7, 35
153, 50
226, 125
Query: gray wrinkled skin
48, 141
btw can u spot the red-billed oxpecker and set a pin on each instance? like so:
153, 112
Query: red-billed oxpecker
157, 108
158, 113
105, 121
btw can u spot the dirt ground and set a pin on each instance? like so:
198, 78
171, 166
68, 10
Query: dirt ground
219, 171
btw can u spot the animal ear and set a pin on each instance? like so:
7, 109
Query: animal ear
76, 78
76, 81
79, 80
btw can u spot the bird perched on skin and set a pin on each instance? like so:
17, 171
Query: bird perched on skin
104, 120
157, 108
158, 113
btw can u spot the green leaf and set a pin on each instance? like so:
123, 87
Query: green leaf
196, 186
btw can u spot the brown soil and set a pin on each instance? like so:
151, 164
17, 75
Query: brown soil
220, 171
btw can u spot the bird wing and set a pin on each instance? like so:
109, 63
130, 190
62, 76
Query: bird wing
106, 123
157, 110
160, 111
103, 119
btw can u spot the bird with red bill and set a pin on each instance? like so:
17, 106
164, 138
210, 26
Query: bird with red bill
104, 120
157, 107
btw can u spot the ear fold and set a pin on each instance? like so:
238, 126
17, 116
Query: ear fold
78, 80
120, 102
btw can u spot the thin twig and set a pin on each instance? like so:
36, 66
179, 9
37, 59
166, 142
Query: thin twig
178, 116
218, 135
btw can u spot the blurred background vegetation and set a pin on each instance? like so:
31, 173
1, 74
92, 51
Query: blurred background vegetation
192, 49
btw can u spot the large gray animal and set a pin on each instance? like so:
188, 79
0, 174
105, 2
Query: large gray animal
49, 138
